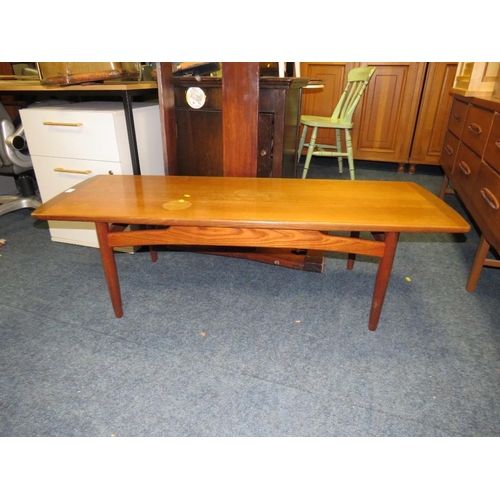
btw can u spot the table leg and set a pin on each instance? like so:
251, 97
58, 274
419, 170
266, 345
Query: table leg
477, 266
382, 279
109, 266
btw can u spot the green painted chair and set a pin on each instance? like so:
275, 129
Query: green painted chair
341, 119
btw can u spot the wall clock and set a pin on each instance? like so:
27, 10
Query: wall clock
195, 97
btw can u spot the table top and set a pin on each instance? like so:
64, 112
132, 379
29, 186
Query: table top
278, 203
35, 86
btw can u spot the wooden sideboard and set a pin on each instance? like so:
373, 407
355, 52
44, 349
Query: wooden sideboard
403, 115
199, 132
470, 159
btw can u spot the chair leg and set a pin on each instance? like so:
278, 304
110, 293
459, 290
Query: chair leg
302, 142
310, 151
350, 154
338, 138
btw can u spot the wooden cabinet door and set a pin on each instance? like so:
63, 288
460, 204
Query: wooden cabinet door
385, 119
433, 116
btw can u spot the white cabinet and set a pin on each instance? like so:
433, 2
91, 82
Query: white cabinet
73, 142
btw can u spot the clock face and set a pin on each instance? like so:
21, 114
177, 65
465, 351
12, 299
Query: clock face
195, 97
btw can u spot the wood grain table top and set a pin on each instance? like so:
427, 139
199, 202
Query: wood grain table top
325, 205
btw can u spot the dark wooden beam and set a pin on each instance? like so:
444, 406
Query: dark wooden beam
240, 109
167, 117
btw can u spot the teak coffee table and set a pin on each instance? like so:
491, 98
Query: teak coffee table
257, 212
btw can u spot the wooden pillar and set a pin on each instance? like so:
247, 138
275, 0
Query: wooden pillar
240, 111
167, 112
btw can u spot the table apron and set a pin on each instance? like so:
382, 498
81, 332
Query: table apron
247, 237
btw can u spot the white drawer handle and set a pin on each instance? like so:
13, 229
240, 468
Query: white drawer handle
68, 171
63, 124
490, 198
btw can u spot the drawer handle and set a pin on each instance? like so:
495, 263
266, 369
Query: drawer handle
464, 168
448, 149
475, 128
456, 118
68, 171
490, 198
497, 143
63, 124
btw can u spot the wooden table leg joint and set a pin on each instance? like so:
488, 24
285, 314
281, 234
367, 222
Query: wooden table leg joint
383, 246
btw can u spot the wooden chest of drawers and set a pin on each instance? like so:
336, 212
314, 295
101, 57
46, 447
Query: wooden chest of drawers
470, 159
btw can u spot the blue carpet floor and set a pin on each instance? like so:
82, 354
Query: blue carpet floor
214, 346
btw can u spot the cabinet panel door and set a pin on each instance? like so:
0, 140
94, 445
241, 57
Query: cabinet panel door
385, 118
265, 145
322, 102
434, 112
199, 142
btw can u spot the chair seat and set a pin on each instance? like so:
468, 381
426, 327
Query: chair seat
324, 122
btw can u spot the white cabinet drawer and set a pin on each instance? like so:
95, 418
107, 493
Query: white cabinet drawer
73, 142
92, 131
55, 175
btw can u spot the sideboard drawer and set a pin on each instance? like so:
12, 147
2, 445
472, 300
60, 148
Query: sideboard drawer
492, 151
457, 117
486, 200
465, 170
449, 153
76, 131
476, 129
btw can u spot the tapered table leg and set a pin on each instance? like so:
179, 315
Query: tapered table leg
109, 266
382, 279
477, 266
